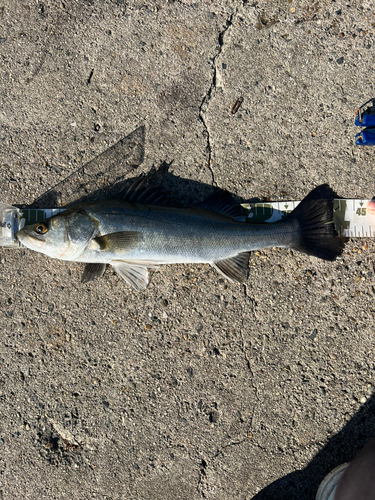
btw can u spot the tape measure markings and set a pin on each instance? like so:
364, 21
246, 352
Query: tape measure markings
353, 218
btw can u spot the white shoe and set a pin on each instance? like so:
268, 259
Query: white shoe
329, 484
352, 481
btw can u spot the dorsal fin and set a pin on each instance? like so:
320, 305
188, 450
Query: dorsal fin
223, 203
138, 192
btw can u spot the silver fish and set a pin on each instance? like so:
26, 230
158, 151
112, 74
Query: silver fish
141, 230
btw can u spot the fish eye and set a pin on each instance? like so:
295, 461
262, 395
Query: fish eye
41, 228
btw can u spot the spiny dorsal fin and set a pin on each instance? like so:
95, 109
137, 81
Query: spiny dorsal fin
92, 271
223, 203
135, 276
235, 268
117, 242
138, 192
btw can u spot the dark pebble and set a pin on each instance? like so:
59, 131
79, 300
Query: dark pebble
214, 417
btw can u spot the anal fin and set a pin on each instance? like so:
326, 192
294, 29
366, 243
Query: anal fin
235, 268
92, 271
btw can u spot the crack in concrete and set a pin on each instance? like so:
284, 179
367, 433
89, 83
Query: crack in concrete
205, 464
202, 474
250, 368
206, 99
235, 443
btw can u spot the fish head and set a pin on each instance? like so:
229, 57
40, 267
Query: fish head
63, 236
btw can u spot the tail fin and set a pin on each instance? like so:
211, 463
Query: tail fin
317, 234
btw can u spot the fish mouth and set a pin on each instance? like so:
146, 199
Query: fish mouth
29, 241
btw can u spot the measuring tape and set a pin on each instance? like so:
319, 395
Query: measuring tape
352, 218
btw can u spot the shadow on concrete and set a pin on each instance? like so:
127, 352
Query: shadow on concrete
106, 176
341, 447
99, 178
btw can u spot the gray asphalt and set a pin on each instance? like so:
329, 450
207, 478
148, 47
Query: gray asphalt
196, 388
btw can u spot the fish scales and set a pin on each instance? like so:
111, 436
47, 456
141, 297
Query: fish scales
181, 235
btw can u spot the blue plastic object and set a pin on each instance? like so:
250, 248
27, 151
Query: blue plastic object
364, 120
366, 137
365, 115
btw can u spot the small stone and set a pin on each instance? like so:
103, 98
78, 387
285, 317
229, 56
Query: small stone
314, 334
292, 10
214, 417
362, 400
148, 327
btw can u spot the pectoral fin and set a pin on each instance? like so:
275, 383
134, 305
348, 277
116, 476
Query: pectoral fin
92, 271
135, 275
117, 242
235, 269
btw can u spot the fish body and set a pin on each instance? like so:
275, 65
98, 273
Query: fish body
171, 235
142, 230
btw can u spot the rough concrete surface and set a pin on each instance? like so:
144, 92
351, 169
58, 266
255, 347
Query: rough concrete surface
196, 388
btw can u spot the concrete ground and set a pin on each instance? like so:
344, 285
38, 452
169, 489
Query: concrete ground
196, 388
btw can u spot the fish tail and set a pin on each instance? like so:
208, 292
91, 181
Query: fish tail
313, 217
